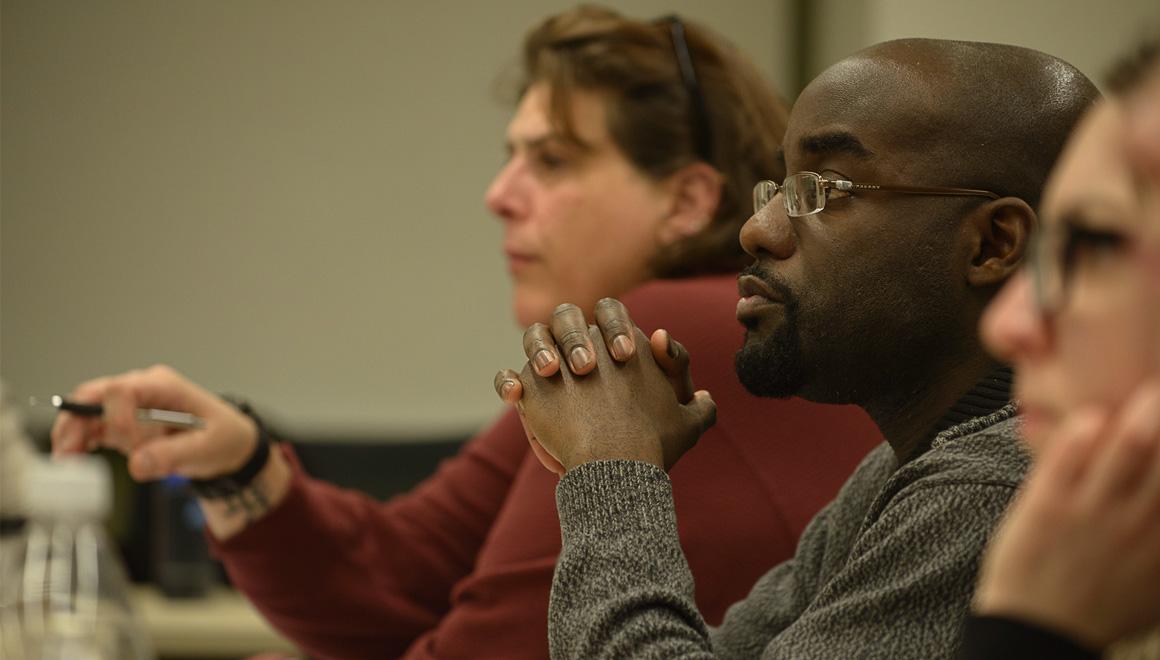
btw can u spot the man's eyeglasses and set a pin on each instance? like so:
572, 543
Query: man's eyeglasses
805, 193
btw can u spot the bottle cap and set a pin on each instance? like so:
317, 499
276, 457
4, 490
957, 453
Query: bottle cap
68, 487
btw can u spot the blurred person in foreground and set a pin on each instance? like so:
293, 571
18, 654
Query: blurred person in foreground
913, 169
632, 156
1074, 571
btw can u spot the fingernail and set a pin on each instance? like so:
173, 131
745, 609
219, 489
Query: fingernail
672, 348
506, 388
621, 347
542, 359
580, 358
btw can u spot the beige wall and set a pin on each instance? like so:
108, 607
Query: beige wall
1091, 34
281, 199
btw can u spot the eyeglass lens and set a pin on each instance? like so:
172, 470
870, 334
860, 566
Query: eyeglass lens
802, 194
1047, 269
763, 193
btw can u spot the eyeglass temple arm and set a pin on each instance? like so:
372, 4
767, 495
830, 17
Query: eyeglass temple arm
914, 190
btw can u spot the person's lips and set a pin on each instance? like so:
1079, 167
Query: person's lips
519, 259
757, 297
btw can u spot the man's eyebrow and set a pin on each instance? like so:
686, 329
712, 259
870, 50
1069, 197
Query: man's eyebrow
836, 142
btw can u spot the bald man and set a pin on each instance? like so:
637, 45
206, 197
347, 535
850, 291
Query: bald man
915, 167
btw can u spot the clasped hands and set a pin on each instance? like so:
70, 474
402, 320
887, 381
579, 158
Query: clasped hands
605, 391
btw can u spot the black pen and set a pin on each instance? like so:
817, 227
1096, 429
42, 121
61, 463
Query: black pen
172, 418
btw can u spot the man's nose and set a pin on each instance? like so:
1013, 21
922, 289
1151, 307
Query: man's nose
768, 232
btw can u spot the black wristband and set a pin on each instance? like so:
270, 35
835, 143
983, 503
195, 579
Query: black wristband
230, 485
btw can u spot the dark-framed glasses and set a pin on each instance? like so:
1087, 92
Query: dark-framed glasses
805, 193
1058, 251
1049, 273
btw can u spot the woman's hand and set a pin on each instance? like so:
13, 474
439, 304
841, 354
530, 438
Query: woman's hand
219, 448
1079, 550
154, 450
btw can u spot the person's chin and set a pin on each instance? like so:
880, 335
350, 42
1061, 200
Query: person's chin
1037, 426
531, 304
766, 368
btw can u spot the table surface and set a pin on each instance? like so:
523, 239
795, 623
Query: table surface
223, 624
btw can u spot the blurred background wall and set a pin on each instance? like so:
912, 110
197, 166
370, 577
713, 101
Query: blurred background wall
283, 199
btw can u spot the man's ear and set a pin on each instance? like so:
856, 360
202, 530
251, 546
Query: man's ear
1000, 239
695, 191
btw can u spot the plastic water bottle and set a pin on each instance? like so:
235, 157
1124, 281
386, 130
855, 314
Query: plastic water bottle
66, 595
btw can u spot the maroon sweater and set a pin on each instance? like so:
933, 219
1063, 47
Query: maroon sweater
461, 566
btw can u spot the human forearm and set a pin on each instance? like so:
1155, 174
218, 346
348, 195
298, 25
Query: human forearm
622, 586
345, 575
226, 517
316, 569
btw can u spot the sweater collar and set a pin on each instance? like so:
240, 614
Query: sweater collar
987, 396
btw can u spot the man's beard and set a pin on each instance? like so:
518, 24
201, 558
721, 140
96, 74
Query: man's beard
773, 366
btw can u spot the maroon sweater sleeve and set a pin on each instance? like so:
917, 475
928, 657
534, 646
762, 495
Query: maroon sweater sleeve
344, 575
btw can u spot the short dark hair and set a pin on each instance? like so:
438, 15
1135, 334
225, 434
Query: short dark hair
992, 116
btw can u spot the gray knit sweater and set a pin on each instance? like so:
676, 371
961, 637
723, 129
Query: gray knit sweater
886, 570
